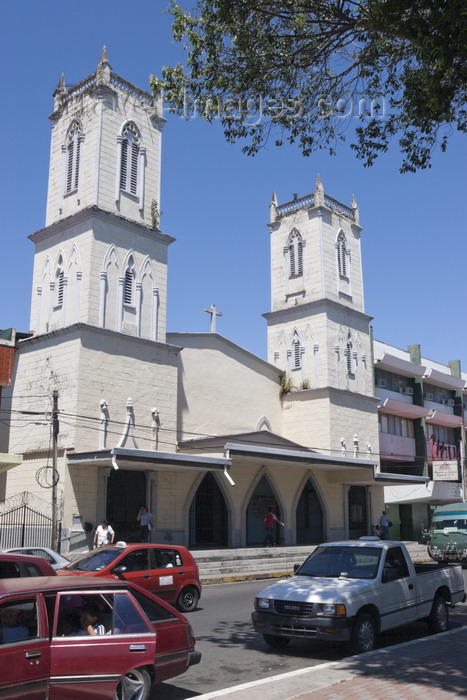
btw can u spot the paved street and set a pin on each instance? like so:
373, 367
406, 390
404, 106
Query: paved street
233, 654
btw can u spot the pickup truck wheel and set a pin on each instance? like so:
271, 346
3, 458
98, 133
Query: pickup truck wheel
276, 642
363, 634
438, 620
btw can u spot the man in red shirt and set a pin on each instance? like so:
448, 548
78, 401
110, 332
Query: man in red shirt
270, 521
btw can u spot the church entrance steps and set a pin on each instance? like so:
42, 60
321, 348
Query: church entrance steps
250, 563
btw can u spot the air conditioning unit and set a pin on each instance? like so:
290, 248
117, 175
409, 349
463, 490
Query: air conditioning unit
408, 390
451, 402
381, 383
429, 397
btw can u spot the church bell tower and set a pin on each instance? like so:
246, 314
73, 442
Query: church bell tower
102, 259
318, 331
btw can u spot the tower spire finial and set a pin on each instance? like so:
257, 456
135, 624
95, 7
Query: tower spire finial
356, 211
103, 68
59, 91
273, 208
318, 192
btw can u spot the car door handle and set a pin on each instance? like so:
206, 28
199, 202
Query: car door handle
181, 571
137, 647
410, 586
147, 575
33, 654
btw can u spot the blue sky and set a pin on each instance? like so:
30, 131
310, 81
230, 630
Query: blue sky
215, 200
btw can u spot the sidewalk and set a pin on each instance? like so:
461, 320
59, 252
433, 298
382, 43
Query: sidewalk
433, 667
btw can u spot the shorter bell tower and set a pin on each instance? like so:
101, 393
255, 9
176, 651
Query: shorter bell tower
318, 331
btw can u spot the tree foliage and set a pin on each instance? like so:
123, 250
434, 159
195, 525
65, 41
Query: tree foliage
314, 72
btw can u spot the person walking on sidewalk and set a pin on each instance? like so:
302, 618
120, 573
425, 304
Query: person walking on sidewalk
270, 521
384, 525
146, 523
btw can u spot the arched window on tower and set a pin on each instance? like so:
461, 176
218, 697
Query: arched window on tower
342, 255
295, 254
296, 352
130, 158
349, 356
59, 282
129, 284
73, 148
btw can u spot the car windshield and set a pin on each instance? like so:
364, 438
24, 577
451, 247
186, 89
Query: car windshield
96, 560
457, 524
345, 561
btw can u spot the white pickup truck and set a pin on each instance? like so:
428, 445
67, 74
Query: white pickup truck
350, 591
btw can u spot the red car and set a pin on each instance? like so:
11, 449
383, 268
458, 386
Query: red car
169, 572
88, 638
14, 565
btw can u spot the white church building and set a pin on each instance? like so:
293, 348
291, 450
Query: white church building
130, 396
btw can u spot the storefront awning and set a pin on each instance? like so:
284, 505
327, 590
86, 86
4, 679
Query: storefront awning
448, 420
391, 363
403, 409
446, 381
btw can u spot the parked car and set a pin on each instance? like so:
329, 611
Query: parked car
169, 572
16, 565
350, 591
55, 560
46, 652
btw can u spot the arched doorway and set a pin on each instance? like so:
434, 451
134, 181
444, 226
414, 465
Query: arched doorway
126, 491
208, 515
356, 500
262, 498
309, 516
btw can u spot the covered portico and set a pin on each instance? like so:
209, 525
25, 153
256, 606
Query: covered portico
214, 492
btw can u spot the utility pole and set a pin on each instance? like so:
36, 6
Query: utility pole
55, 426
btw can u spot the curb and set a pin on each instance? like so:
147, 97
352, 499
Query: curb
236, 578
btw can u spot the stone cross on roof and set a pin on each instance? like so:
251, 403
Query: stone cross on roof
213, 311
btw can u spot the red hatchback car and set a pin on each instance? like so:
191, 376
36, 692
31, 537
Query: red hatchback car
169, 572
14, 565
49, 651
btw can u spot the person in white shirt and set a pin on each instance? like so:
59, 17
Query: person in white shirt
104, 534
384, 525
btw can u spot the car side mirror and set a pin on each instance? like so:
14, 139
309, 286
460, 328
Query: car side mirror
296, 568
120, 569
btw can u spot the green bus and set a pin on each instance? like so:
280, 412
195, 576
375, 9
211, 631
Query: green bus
447, 538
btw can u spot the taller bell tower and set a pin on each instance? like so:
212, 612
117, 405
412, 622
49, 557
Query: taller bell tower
105, 148
102, 259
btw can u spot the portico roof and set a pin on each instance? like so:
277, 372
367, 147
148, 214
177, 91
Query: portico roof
132, 458
257, 447
264, 446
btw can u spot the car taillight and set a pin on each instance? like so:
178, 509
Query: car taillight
190, 635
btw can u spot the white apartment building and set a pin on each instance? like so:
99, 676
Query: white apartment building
421, 406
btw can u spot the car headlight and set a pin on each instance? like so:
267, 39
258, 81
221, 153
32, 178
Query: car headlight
262, 603
331, 609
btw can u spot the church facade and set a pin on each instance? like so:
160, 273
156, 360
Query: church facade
298, 432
